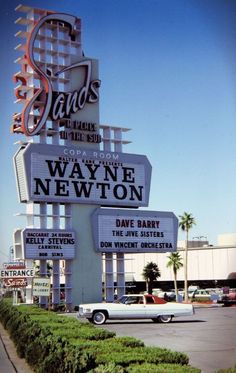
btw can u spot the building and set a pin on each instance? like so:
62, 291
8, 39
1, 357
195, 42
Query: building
208, 265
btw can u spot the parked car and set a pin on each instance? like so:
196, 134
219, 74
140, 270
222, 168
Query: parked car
134, 306
168, 295
228, 299
156, 291
200, 295
232, 295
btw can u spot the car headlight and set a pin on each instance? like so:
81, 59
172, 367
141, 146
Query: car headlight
84, 310
87, 310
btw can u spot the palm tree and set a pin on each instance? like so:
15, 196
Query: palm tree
150, 273
186, 223
175, 261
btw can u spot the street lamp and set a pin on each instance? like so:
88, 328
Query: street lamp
11, 253
200, 238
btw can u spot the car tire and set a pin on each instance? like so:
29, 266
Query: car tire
164, 318
99, 317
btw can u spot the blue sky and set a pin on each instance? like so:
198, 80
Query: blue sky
168, 72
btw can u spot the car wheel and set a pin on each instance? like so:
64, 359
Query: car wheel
164, 318
99, 317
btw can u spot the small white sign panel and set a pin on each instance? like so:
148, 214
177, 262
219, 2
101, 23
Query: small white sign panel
16, 272
41, 287
134, 232
48, 244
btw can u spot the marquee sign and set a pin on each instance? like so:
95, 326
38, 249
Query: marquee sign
52, 65
129, 231
48, 244
71, 175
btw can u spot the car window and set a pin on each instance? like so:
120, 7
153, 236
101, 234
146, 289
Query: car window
149, 300
133, 300
122, 299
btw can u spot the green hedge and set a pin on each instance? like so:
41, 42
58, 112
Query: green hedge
61, 344
227, 370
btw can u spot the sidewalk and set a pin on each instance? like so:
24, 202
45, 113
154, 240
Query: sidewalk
9, 360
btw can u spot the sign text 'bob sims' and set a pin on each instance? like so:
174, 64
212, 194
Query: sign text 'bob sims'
134, 232
48, 244
50, 173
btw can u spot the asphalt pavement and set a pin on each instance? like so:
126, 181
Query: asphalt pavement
208, 337
9, 360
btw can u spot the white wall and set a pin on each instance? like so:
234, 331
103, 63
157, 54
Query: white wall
211, 263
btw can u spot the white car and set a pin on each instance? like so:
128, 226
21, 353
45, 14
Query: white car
135, 306
200, 294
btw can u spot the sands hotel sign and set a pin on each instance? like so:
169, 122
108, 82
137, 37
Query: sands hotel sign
50, 103
49, 173
66, 159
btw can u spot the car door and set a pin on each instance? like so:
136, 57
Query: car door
152, 309
134, 307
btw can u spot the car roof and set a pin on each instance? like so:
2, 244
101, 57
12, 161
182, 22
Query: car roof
133, 295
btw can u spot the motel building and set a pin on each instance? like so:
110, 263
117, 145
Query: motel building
208, 265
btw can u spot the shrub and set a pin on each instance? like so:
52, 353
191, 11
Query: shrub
56, 344
161, 368
108, 368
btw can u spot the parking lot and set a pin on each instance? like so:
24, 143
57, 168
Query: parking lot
208, 337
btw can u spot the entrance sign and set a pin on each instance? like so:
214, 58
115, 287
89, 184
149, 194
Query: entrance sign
48, 244
17, 273
129, 231
72, 175
41, 287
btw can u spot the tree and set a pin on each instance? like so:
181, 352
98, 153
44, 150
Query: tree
150, 273
175, 261
37, 268
186, 223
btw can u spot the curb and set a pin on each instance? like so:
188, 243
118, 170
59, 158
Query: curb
214, 305
19, 365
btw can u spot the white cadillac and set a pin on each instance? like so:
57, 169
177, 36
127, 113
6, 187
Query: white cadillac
135, 306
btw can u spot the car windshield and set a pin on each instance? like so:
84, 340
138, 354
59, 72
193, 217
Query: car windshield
121, 299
